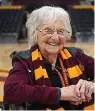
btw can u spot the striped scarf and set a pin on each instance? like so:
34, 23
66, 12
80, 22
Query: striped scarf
74, 70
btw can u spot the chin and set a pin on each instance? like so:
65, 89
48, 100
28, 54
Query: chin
52, 50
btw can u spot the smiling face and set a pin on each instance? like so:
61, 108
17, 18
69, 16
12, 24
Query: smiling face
50, 37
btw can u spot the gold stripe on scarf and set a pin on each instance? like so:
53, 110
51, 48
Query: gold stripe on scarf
74, 71
78, 69
38, 73
65, 54
90, 107
35, 55
45, 73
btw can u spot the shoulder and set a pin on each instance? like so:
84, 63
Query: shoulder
74, 50
23, 54
79, 53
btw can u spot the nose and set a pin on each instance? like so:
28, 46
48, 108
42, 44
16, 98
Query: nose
55, 35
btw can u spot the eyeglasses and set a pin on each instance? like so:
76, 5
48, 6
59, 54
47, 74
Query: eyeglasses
60, 32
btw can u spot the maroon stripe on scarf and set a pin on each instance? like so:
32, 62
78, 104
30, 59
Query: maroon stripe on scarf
68, 63
36, 64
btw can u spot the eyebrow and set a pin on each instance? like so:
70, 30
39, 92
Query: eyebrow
52, 28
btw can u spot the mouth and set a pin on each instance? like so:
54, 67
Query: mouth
52, 44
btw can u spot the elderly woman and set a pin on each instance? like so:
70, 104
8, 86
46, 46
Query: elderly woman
50, 75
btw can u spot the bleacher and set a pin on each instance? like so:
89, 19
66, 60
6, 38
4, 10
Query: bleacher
11, 18
83, 22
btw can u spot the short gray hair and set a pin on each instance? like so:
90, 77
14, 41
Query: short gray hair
46, 13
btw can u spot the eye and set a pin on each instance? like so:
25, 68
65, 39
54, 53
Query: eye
48, 30
61, 31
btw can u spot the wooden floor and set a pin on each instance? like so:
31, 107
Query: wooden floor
7, 49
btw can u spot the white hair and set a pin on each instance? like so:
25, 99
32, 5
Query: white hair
46, 13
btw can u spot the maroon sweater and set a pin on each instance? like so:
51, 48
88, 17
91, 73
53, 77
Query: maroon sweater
20, 86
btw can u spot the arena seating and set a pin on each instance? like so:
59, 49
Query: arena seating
83, 22
11, 18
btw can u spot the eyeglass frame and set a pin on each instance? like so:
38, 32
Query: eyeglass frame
54, 31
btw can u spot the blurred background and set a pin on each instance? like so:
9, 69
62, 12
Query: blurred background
13, 33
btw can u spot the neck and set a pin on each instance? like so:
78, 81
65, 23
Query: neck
50, 57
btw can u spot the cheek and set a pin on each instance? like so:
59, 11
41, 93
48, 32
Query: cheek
61, 46
62, 42
41, 41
